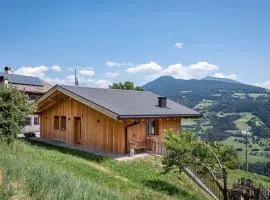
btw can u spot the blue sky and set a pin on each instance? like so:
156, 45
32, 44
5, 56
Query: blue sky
110, 41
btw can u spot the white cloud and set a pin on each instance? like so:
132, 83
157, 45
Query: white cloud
102, 83
179, 45
118, 64
180, 71
83, 76
265, 84
83, 81
111, 74
86, 72
203, 67
38, 71
56, 68
221, 75
150, 68
55, 81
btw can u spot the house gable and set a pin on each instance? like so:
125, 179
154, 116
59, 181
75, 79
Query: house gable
57, 93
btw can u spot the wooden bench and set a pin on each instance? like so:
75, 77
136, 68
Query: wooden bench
138, 144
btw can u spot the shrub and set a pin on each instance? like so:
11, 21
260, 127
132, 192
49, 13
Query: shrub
255, 149
267, 149
14, 108
30, 134
238, 149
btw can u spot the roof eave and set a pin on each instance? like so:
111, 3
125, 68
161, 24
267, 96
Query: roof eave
121, 117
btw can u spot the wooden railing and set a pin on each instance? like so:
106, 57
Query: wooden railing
244, 188
156, 147
207, 180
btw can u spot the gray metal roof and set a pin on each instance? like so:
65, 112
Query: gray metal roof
131, 104
19, 79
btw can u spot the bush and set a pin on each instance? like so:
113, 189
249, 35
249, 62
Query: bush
255, 149
267, 149
14, 108
238, 149
30, 134
267, 155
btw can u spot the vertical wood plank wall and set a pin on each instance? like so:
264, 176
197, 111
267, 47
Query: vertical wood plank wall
97, 130
138, 132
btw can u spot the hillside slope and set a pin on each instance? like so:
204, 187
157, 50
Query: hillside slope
228, 108
226, 80
38, 171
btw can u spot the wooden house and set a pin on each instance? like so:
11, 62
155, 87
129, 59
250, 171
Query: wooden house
108, 120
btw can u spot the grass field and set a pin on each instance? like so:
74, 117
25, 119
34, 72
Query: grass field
256, 95
241, 123
37, 171
197, 126
239, 95
251, 158
258, 179
204, 105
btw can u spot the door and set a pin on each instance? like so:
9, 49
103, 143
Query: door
77, 130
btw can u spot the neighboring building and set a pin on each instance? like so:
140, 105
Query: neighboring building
33, 87
107, 119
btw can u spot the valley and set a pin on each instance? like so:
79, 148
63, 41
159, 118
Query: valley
228, 109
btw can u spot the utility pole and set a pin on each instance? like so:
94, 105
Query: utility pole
246, 154
246, 133
76, 78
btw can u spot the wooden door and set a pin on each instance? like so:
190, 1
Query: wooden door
77, 130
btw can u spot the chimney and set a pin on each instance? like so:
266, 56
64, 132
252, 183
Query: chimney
162, 102
7, 69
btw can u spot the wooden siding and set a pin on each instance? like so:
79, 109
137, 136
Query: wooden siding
98, 131
138, 132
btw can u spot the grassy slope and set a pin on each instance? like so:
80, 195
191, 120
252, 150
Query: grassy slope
45, 172
241, 123
258, 179
251, 158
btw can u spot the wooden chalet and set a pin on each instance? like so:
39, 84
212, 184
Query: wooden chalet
108, 120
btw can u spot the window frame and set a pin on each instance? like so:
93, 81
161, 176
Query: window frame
36, 120
63, 123
151, 126
28, 119
56, 122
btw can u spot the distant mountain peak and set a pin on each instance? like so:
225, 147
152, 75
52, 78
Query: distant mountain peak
165, 78
225, 80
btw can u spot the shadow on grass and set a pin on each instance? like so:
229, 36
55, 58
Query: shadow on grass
74, 152
163, 186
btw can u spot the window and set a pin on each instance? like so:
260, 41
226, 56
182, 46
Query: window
36, 120
34, 96
63, 123
27, 121
56, 122
150, 127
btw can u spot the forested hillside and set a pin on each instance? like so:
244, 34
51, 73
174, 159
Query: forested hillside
228, 108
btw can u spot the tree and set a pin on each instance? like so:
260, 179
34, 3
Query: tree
184, 150
14, 108
127, 85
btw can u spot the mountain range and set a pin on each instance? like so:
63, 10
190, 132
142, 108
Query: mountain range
199, 89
